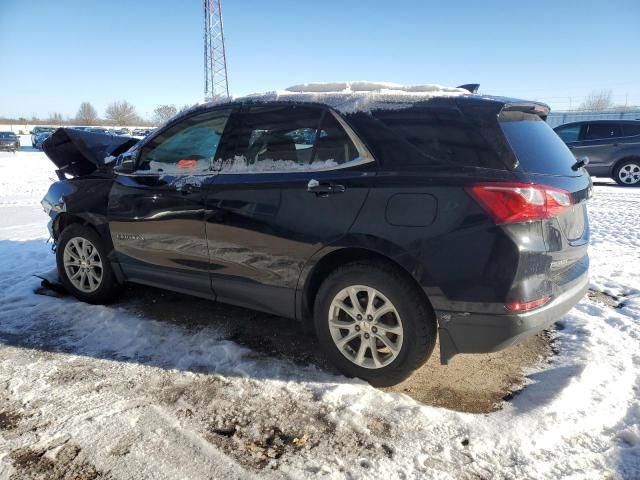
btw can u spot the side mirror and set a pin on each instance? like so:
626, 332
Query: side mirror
126, 163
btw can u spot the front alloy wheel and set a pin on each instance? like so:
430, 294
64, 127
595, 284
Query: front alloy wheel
83, 265
365, 326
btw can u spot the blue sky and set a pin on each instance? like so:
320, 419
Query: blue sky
58, 53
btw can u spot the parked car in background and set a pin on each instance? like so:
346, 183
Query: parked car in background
612, 146
121, 131
9, 141
460, 217
38, 130
41, 137
138, 132
102, 130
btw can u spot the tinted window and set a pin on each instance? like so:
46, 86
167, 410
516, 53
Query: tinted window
285, 137
436, 135
569, 134
187, 147
629, 129
536, 145
600, 131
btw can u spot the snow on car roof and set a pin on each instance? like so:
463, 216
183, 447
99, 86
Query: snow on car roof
354, 96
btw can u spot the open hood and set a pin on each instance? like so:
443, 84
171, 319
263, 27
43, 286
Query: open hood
78, 153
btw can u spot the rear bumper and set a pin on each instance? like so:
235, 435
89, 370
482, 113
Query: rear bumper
484, 333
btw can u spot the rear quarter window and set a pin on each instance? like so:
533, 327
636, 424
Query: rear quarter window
439, 135
630, 130
536, 146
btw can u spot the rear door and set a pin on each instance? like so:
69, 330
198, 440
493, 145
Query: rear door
292, 181
598, 141
156, 214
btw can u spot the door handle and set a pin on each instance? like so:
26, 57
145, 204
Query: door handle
324, 189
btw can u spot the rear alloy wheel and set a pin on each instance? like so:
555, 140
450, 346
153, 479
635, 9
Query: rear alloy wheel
83, 266
627, 173
365, 326
373, 322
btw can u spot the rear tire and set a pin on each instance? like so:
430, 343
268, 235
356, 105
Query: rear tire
627, 173
83, 266
390, 332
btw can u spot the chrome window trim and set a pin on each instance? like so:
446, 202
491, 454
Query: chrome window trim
364, 155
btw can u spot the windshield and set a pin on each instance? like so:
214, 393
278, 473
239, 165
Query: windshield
538, 148
10, 135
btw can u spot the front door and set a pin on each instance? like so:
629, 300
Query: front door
156, 214
293, 181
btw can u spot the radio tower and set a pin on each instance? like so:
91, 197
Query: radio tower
216, 83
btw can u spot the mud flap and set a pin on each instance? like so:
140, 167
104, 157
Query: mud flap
50, 285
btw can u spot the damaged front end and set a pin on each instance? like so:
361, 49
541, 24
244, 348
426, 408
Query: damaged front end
84, 162
78, 153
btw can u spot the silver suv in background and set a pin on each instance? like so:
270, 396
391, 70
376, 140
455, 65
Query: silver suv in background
612, 146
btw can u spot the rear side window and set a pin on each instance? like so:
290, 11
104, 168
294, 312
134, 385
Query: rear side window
602, 131
630, 130
536, 146
569, 134
283, 138
439, 135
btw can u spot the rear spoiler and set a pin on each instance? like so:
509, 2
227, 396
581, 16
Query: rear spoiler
470, 87
78, 153
537, 108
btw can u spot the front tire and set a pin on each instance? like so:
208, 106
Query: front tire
374, 323
83, 266
627, 173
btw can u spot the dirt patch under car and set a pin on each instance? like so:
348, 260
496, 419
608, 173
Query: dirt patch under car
471, 383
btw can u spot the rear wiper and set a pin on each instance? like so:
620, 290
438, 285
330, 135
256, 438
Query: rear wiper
581, 162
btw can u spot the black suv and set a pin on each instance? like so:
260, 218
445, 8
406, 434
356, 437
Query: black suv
612, 147
461, 217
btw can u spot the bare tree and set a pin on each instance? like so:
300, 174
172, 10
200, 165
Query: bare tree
597, 101
162, 113
55, 119
122, 113
86, 115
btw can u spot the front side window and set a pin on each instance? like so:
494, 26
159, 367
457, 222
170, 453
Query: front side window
602, 131
186, 148
569, 134
285, 138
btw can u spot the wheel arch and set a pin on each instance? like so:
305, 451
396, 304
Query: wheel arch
626, 157
329, 258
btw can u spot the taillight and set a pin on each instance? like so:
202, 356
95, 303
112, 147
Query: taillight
520, 202
525, 306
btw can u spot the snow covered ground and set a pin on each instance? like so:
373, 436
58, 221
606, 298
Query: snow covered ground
100, 392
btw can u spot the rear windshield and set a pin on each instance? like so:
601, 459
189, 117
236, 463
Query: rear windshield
538, 148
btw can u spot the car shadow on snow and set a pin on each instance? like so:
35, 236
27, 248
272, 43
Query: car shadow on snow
152, 327
172, 331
